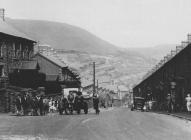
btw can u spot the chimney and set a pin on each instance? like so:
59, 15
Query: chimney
178, 48
189, 38
2, 14
184, 43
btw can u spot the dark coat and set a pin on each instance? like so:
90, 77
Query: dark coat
18, 103
96, 102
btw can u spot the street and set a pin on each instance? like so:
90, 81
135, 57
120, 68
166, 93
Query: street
116, 124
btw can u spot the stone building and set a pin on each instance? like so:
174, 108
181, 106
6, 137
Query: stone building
16, 52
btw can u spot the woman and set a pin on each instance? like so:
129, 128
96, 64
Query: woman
188, 103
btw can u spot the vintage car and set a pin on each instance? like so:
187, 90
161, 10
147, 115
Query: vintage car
138, 103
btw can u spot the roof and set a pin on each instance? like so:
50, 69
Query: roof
5, 28
122, 88
110, 87
52, 59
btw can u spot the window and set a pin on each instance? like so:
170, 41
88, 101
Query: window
13, 50
1, 49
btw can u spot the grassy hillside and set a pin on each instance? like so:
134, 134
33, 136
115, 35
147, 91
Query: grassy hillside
156, 52
123, 70
63, 36
81, 48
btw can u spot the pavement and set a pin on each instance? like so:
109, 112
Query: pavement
111, 124
181, 115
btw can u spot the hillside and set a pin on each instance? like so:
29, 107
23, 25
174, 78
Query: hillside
63, 36
79, 48
156, 52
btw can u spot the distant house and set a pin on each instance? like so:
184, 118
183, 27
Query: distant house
122, 91
57, 74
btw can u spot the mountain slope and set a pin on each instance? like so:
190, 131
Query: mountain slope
157, 52
63, 36
81, 48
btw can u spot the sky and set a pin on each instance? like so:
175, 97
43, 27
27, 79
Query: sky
124, 23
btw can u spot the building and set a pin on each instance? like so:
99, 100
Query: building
171, 76
21, 68
16, 52
57, 74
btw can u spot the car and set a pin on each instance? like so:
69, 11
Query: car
138, 103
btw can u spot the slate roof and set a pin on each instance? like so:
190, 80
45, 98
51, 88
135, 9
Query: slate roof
52, 59
5, 28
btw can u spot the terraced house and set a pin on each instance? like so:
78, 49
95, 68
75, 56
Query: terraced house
172, 75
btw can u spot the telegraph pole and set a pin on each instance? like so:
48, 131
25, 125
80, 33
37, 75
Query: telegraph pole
97, 87
94, 92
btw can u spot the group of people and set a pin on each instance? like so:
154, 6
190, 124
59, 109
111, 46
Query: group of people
34, 105
171, 103
37, 104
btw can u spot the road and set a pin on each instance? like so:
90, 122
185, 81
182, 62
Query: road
117, 124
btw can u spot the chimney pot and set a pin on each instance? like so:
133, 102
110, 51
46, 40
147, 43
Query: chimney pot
2, 14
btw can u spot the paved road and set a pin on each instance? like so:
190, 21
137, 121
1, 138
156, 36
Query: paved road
117, 124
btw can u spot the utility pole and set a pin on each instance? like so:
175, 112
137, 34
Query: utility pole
97, 87
94, 79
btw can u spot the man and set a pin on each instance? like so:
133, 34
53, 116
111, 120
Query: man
96, 103
71, 102
46, 105
78, 103
28, 103
34, 104
24, 103
18, 105
170, 103
41, 105
62, 104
